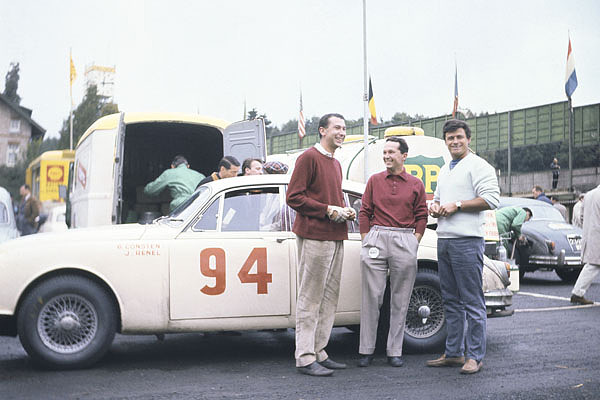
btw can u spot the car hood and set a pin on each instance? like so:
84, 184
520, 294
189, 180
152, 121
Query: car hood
108, 232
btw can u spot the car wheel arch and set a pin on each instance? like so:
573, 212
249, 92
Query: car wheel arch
71, 271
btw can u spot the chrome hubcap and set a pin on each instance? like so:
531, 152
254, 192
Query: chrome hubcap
425, 315
67, 323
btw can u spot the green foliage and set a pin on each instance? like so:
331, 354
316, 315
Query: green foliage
91, 108
11, 84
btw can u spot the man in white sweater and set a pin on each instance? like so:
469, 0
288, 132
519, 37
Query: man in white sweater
465, 188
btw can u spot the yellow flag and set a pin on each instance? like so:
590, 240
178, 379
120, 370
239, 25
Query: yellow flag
73, 72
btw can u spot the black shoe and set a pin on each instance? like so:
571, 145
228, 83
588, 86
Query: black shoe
365, 360
330, 364
315, 369
395, 361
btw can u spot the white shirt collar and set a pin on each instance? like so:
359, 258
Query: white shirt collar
322, 150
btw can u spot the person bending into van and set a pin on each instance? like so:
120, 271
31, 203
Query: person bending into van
228, 167
252, 166
180, 179
392, 221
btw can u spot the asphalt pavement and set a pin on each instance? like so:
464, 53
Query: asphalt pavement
547, 350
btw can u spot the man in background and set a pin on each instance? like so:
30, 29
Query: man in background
28, 213
228, 167
577, 218
252, 166
562, 209
180, 179
538, 194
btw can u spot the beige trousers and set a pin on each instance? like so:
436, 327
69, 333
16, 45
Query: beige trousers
386, 249
319, 272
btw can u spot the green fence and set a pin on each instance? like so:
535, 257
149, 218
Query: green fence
528, 126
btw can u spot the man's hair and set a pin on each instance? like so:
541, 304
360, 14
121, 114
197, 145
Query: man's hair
402, 145
538, 188
553, 198
26, 186
248, 164
452, 125
227, 161
527, 210
178, 160
324, 121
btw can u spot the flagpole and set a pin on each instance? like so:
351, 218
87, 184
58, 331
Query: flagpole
366, 93
571, 131
71, 97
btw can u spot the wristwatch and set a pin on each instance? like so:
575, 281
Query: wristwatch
459, 205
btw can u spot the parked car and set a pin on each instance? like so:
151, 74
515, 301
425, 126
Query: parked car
8, 225
54, 219
223, 260
552, 243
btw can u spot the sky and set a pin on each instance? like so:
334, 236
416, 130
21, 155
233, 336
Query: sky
208, 57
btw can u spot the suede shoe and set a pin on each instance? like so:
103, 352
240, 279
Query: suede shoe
365, 360
471, 367
444, 361
330, 364
315, 369
395, 361
580, 300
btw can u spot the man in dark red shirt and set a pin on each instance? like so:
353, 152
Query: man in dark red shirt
392, 220
315, 192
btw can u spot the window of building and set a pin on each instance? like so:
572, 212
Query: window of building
12, 154
15, 126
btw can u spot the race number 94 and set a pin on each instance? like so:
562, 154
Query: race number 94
257, 256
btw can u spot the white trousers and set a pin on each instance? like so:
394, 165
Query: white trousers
586, 277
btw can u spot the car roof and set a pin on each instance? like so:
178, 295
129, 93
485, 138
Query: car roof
521, 202
272, 179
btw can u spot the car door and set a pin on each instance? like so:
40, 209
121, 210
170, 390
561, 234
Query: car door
234, 259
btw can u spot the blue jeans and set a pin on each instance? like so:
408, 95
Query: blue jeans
460, 265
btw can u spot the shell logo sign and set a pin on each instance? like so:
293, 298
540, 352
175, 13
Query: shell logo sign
427, 169
55, 173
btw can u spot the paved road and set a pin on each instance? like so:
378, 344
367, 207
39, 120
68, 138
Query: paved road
536, 354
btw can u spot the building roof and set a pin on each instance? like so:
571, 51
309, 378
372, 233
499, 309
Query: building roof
25, 113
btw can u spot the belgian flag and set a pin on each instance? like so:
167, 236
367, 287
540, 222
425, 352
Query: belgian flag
372, 104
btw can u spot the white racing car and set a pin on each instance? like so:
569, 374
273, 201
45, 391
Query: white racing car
225, 260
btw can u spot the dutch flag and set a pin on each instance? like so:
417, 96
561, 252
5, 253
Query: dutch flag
571, 78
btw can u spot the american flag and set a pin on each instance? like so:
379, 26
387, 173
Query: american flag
301, 127
455, 108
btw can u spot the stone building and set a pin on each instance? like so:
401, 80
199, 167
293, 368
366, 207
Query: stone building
17, 130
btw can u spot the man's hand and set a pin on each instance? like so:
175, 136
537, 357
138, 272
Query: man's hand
447, 209
337, 214
351, 213
434, 210
419, 236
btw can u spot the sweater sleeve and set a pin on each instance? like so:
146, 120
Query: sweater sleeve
420, 209
485, 184
366, 209
297, 196
155, 187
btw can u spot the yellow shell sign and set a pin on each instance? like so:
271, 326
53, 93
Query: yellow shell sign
55, 173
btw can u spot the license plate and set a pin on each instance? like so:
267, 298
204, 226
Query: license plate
575, 242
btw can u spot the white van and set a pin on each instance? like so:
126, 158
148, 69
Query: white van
120, 153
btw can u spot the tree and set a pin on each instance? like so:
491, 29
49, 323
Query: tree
91, 108
12, 83
253, 114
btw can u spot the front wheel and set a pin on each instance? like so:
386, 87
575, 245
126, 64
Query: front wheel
67, 322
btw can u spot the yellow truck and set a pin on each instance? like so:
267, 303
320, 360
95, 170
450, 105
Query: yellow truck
48, 175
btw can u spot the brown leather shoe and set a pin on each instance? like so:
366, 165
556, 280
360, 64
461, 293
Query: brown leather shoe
580, 300
444, 361
471, 367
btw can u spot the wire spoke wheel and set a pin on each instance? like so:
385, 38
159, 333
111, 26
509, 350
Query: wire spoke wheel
425, 316
67, 323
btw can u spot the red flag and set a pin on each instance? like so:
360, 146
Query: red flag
372, 104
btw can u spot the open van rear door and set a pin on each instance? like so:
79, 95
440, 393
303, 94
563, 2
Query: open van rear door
245, 139
118, 171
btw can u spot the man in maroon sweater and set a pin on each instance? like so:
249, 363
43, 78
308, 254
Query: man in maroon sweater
392, 220
315, 192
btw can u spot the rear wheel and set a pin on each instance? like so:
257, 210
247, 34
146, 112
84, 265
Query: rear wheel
568, 274
67, 322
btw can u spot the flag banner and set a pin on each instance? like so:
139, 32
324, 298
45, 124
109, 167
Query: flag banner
455, 108
571, 77
73, 73
372, 104
301, 122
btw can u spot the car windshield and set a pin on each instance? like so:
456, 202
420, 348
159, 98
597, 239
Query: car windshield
546, 213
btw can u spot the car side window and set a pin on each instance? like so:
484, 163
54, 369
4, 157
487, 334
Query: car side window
252, 210
3, 214
208, 220
354, 201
